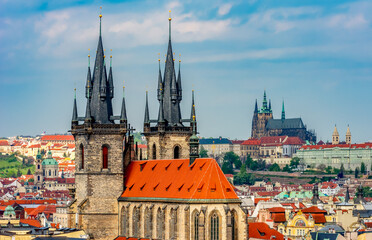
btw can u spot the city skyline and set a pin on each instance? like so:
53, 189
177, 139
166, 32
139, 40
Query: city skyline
314, 56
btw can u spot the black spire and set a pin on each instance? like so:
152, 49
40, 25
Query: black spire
270, 105
193, 113
74, 111
360, 195
347, 195
194, 142
123, 115
316, 198
147, 117
100, 103
256, 107
283, 112
179, 85
160, 83
89, 80
170, 105
111, 81
88, 114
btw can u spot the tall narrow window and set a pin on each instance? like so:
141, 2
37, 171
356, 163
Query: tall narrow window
215, 230
82, 155
154, 151
196, 226
176, 153
104, 157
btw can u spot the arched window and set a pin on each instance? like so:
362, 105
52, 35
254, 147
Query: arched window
82, 155
136, 222
43, 172
154, 151
38, 166
104, 156
234, 225
38, 178
124, 222
160, 224
50, 172
196, 226
176, 152
148, 223
173, 224
215, 227
55, 173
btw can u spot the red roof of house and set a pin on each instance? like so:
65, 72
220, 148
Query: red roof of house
257, 200
11, 202
31, 222
47, 209
272, 141
261, 230
57, 138
252, 141
237, 141
178, 180
4, 143
360, 145
35, 146
318, 218
313, 209
276, 209
293, 141
278, 217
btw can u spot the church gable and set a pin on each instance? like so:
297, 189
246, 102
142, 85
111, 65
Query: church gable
177, 180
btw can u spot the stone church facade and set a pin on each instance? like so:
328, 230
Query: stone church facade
263, 124
117, 196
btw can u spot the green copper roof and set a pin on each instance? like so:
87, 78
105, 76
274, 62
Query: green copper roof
49, 160
9, 210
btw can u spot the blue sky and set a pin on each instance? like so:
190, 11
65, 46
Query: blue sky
316, 55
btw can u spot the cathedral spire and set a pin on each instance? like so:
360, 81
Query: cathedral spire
123, 115
194, 142
256, 107
88, 114
283, 112
270, 105
179, 85
89, 80
74, 111
111, 80
147, 117
264, 102
193, 113
160, 81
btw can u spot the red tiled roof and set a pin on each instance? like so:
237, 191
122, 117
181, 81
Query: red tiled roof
35, 146
276, 209
278, 217
360, 145
31, 222
252, 141
263, 231
257, 200
57, 138
318, 218
4, 143
313, 209
71, 145
293, 141
11, 202
43, 209
272, 141
176, 179
237, 141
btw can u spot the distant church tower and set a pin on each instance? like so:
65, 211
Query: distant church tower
260, 118
335, 137
38, 175
102, 154
348, 135
169, 138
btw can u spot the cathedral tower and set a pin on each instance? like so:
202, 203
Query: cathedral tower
168, 138
335, 137
102, 153
348, 135
38, 175
260, 118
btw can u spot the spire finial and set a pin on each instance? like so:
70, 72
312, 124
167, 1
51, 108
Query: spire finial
100, 20
89, 57
170, 20
74, 93
110, 57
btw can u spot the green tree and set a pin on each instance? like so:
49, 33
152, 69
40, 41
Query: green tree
203, 153
232, 158
356, 173
294, 162
249, 161
29, 172
30, 180
243, 177
328, 169
275, 167
286, 168
227, 168
19, 173
362, 168
322, 167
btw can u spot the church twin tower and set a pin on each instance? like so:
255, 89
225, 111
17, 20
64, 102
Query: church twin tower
104, 147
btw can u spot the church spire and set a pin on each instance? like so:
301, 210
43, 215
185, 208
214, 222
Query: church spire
111, 80
74, 111
283, 112
147, 117
194, 142
89, 80
160, 82
270, 105
88, 114
348, 135
179, 85
256, 107
264, 102
123, 115
193, 113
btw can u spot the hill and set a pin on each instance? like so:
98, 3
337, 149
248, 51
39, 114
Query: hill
12, 166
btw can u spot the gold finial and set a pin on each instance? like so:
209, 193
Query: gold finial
170, 18
193, 117
180, 58
100, 12
104, 56
159, 57
111, 53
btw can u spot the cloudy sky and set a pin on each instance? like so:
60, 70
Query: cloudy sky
315, 55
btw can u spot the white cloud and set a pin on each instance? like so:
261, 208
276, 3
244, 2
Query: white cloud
224, 9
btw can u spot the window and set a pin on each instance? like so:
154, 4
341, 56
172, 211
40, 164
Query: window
154, 151
234, 225
148, 223
215, 230
124, 222
38, 178
105, 157
160, 224
196, 226
176, 152
136, 222
38, 166
82, 155
173, 224
50, 172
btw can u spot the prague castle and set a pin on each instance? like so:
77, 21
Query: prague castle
263, 124
172, 195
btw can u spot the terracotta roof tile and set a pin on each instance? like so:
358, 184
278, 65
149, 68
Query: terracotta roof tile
57, 138
263, 231
176, 179
31, 222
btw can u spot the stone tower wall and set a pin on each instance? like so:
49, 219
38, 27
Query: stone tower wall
166, 143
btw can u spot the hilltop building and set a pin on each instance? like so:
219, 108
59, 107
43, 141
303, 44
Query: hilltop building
263, 124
